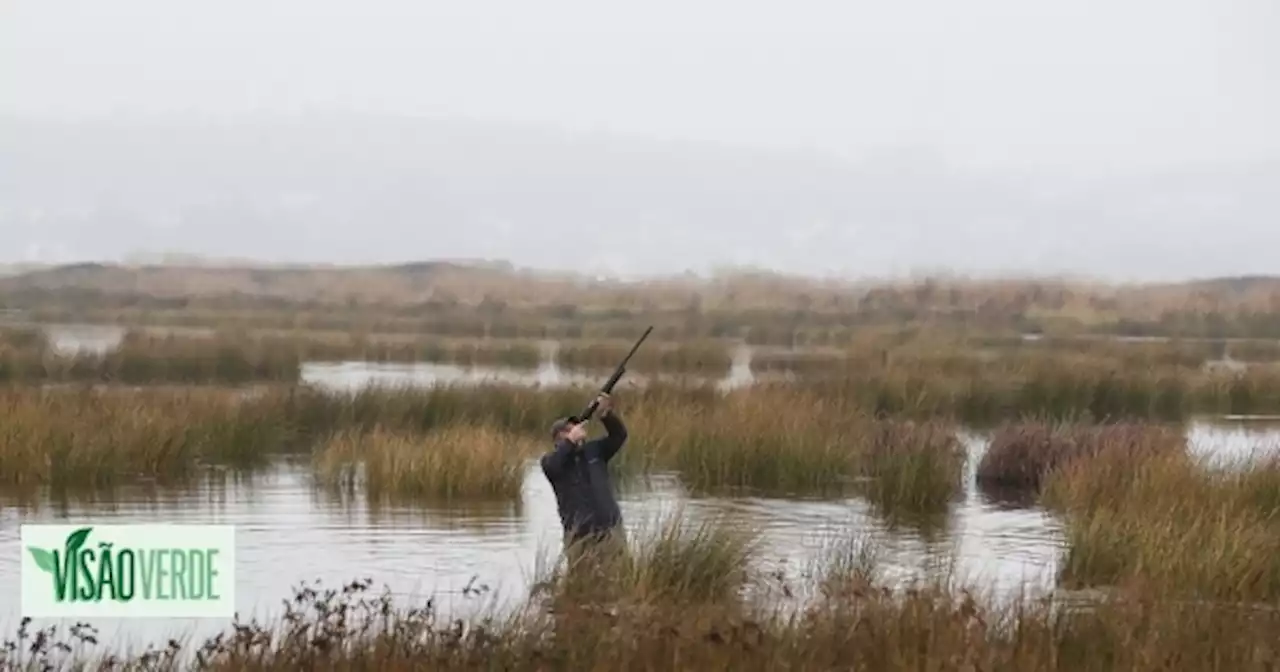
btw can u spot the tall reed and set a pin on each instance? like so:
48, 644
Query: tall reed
670, 558
67, 437
447, 463
1172, 525
920, 627
772, 439
913, 468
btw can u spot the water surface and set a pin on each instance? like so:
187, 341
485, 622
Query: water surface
288, 531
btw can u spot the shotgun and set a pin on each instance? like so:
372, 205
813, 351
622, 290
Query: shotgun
613, 380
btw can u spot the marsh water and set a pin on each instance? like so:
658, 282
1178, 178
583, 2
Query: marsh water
288, 531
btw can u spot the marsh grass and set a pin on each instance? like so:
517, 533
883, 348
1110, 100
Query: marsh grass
1056, 390
75, 437
702, 357
235, 355
908, 377
913, 469
1023, 455
764, 308
82, 435
670, 558
1256, 479
419, 409
847, 566
920, 627
469, 352
1170, 524
781, 440
145, 358
769, 439
22, 338
444, 464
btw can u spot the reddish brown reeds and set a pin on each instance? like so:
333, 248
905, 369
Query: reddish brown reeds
1023, 455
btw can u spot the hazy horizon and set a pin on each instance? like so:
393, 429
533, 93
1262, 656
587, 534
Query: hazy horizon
1122, 140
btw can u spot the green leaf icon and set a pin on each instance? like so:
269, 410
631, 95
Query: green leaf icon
44, 559
76, 539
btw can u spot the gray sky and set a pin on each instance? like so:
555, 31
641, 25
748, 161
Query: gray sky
1090, 89
1119, 83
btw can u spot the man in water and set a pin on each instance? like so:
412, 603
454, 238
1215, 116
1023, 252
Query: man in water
578, 472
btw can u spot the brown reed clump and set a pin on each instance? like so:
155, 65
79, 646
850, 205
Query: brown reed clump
1023, 455
448, 463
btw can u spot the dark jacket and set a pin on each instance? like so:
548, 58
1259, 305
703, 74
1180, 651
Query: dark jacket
580, 478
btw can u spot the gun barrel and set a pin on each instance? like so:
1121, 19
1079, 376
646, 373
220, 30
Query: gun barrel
613, 379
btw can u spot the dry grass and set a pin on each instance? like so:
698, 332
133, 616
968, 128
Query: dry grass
1172, 526
1024, 455
69, 437
225, 355
706, 358
448, 463
771, 439
740, 440
775, 439
914, 469
909, 372
452, 300
143, 358
499, 289
671, 558
873, 627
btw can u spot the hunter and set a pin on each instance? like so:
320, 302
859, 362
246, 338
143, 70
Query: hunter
578, 472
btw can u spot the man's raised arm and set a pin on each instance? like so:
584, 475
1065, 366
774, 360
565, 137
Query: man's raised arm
617, 435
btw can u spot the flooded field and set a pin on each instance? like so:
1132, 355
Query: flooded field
478, 556
289, 531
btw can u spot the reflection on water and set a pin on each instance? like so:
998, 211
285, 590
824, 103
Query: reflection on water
1227, 441
740, 374
352, 376
349, 376
290, 531
73, 338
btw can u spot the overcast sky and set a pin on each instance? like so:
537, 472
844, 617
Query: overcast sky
1090, 88
1129, 82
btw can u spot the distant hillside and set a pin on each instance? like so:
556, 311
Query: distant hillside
399, 284
472, 283
18, 269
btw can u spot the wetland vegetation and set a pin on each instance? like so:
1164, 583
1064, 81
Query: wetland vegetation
1168, 560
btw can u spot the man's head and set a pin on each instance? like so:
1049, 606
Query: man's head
570, 429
